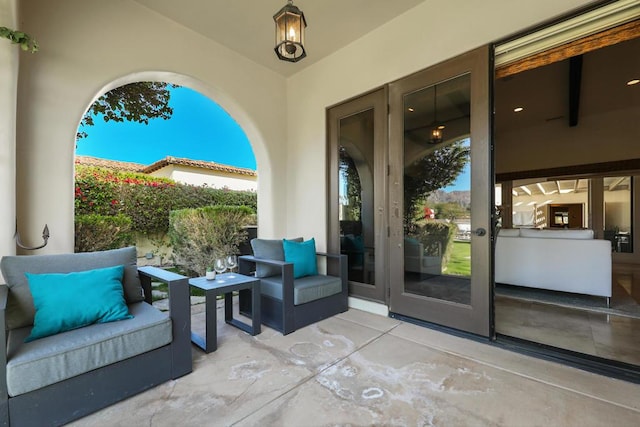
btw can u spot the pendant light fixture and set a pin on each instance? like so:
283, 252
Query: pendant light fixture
436, 132
290, 25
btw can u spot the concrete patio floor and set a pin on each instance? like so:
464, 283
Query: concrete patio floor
360, 369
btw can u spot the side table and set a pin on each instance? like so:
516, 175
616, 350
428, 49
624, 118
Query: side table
225, 284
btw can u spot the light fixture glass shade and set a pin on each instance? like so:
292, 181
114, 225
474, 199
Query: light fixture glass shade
436, 136
290, 25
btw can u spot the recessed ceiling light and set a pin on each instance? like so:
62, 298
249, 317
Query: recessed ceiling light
517, 109
411, 110
633, 82
441, 127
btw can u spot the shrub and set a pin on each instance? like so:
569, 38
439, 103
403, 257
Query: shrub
146, 200
437, 238
101, 232
199, 236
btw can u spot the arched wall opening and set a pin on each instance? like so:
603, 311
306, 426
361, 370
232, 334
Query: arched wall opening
197, 155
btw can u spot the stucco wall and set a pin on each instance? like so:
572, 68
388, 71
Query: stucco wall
91, 46
211, 178
430, 33
8, 98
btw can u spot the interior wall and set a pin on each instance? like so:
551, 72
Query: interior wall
91, 46
9, 57
430, 33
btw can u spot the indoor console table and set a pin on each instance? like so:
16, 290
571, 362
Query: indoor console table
225, 284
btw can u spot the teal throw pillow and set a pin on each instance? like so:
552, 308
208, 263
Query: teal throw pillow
69, 301
303, 257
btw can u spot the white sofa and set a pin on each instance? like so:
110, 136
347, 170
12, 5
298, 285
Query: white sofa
558, 260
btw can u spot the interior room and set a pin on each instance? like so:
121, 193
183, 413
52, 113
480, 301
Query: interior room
565, 161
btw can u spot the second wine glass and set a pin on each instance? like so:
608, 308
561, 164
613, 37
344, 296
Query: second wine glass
232, 262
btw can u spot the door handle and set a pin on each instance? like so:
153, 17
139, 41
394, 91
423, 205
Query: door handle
480, 231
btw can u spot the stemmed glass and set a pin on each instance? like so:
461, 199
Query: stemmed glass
232, 262
220, 265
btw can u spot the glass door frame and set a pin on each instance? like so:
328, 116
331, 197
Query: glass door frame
477, 317
377, 101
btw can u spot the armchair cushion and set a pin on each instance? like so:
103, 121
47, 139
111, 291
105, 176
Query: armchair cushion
303, 257
52, 359
269, 249
305, 289
20, 309
69, 301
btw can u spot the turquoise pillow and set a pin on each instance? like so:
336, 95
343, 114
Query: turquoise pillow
303, 257
69, 301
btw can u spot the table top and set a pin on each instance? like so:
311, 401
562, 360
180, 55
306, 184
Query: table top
221, 281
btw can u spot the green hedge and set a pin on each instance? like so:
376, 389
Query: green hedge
101, 232
437, 238
146, 200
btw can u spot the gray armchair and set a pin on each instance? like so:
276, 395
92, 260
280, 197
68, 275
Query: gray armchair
59, 378
288, 304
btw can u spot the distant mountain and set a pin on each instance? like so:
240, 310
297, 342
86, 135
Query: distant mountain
463, 198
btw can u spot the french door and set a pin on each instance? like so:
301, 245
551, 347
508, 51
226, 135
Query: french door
440, 194
357, 191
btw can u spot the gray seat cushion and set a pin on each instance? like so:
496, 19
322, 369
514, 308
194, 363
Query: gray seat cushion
46, 361
305, 289
20, 309
269, 249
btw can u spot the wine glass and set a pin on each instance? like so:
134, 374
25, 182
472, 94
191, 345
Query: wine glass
220, 265
232, 262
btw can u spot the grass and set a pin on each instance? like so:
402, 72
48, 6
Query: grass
460, 261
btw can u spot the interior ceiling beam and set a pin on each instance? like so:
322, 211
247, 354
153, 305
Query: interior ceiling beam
616, 183
526, 189
621, 33
575, 79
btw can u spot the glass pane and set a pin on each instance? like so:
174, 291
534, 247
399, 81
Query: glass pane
437, 191
617, 213
356, 191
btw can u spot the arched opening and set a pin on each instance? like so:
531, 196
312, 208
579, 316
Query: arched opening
199, 156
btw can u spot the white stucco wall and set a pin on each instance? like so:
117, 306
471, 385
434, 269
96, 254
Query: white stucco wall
9, 55
210, 178
430, 33
91, 46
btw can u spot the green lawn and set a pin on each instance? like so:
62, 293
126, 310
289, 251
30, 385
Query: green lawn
460, 262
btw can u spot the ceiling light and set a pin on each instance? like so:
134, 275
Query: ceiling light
436, 132
517, 109
633, 82
290, 25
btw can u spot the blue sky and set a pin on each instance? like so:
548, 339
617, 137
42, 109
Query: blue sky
463, 182
199, 129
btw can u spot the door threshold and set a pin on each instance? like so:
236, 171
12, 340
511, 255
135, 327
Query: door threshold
586, 362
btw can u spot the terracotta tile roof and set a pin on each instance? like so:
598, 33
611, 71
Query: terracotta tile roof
169, 160
109, 164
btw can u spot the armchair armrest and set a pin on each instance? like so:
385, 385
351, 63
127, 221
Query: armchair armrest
179, 311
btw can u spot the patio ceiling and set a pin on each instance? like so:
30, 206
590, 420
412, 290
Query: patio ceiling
247, 27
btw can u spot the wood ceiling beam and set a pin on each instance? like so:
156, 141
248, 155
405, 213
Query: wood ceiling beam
621, 33
575, 79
